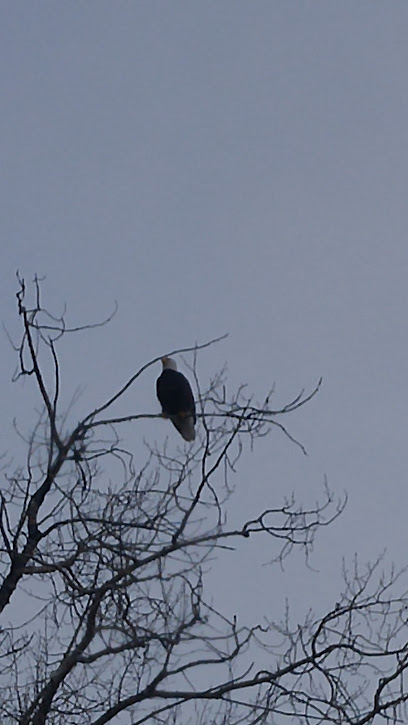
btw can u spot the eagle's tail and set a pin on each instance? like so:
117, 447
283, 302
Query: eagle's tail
185, 425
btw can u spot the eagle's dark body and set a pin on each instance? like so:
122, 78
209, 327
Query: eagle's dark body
176, 399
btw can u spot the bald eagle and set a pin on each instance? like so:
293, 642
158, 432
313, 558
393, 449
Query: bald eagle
176, 399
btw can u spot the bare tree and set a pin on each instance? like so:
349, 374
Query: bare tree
118, 625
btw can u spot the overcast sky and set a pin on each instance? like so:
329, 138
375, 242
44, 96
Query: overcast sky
237, 167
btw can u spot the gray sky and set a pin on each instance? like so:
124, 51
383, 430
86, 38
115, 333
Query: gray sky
230, 167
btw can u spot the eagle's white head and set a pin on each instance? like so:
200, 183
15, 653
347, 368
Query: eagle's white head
168, 363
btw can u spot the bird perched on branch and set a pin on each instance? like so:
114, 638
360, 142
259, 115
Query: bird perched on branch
176, 399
